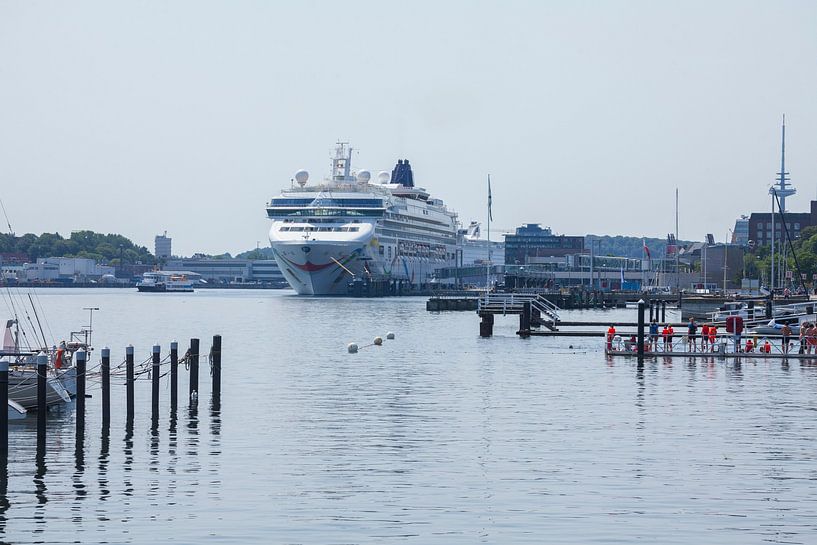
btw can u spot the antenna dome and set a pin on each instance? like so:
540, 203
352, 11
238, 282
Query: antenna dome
301, 177
383, 176
364, 176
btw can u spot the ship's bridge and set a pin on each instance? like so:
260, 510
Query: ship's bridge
286, 206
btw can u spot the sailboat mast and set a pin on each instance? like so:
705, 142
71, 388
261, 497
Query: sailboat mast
488, 268
677, 260
771, 279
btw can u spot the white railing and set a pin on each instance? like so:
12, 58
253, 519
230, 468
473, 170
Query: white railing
723, 344
513, 302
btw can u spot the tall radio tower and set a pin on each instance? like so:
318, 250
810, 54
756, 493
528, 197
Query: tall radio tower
783, 187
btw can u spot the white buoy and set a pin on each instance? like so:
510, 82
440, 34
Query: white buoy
352, 348
378, 341
390, 335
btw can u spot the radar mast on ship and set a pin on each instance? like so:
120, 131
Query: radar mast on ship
342, 163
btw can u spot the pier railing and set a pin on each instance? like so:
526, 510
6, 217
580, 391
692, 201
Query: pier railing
722, 345
514, 303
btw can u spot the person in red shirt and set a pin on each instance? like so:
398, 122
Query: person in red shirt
611, 332
704, 337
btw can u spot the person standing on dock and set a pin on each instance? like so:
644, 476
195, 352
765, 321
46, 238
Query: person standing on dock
713, 336
802, 337
692, 332
670, 335
786, 332
704, 337
654, 335
611, 332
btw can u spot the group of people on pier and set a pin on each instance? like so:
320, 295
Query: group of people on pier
707, 338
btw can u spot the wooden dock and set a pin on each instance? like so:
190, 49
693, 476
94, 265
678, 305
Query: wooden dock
721, 355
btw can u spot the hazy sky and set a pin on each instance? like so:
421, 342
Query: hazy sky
143, 116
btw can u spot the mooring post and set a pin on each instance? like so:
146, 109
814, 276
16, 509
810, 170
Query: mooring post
174, 375
535, 317
106, 389
769, 306
663, 311
750, 310
524, 320
486, 325
42, 375
82, 360
193, 395
129, 380
650, 304
154, 390
641, 306
4, 414
216, 366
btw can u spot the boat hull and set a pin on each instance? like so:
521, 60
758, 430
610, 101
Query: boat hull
163, 289
23, 389
321, 268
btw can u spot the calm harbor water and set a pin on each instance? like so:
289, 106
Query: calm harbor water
437, 436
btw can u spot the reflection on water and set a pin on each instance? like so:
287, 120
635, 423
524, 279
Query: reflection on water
436, 436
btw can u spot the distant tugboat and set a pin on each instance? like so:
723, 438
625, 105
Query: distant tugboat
164, 281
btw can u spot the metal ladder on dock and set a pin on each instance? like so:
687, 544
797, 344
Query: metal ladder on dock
514, 303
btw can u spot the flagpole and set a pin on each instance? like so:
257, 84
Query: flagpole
488, 269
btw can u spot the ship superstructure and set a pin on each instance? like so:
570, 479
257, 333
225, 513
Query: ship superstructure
349, 227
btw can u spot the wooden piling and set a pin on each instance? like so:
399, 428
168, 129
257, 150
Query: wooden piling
106, 389
129, 384
486, 325
42, 375
641, 306
524, 320
193, 394
4, 413
154, 390
81, 365
663, 312
174, 376
216, 366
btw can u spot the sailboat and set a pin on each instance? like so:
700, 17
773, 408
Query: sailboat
23, 373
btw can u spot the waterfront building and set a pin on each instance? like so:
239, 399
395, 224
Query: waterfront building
64, 269
714, 258
231, 271
162, 246
532, 243
740, 235
760, 225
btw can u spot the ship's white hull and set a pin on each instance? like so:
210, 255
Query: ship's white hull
320, 268
326, 268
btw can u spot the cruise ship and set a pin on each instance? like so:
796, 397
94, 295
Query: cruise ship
349, 227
